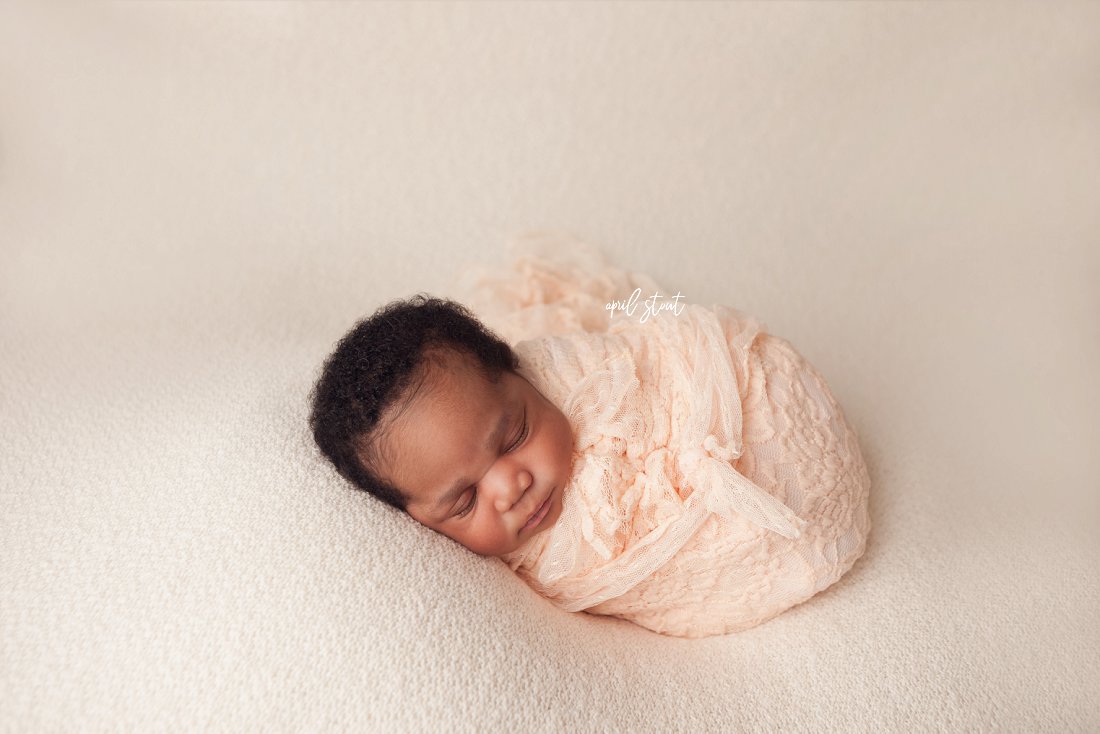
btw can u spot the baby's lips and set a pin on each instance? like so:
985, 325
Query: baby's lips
534, 514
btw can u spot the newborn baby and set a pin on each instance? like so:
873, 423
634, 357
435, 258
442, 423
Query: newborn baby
422, 406
688, 472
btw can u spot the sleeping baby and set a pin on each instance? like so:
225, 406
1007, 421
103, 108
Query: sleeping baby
682, 468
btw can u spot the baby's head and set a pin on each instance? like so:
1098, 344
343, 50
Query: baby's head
421, 406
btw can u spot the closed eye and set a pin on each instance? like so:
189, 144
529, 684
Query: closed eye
522, 434
465, 510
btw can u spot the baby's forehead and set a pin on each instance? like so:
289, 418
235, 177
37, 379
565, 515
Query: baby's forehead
459, 380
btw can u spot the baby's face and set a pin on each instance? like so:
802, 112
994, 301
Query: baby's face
484, 464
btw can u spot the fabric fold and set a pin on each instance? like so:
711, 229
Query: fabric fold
729, 493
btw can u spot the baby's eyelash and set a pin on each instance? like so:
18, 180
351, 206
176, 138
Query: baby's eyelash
470, 506
522, 436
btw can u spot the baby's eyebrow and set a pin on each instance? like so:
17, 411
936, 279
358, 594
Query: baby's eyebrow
456, 489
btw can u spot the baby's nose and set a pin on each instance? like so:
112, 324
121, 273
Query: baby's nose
512, 490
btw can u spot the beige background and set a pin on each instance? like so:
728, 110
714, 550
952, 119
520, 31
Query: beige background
197, 200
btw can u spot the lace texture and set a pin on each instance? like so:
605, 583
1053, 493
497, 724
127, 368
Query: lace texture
715, 480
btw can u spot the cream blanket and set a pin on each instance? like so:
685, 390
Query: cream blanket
198, 199
715, 480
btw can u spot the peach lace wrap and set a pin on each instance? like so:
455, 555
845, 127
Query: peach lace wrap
715, 481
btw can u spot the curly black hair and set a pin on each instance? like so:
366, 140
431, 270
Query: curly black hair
381, 362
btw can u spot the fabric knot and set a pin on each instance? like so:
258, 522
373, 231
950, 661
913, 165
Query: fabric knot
717, 449
689, 460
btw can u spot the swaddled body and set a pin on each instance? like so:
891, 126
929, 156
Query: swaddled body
715, 482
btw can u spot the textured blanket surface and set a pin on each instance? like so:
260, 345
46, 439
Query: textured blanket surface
198, 199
